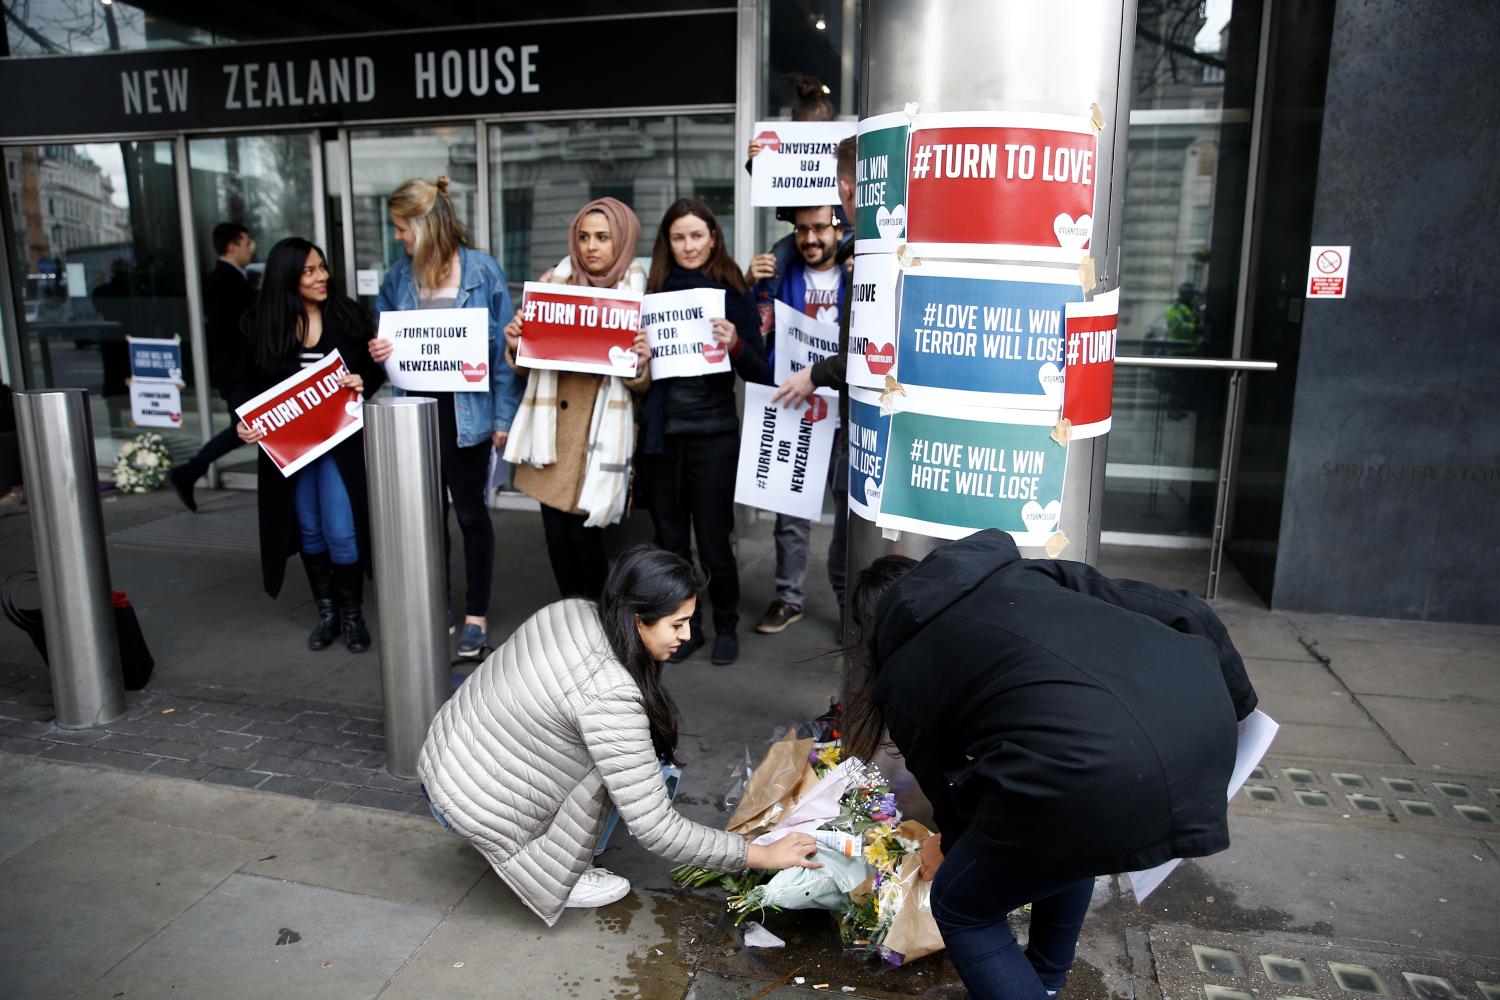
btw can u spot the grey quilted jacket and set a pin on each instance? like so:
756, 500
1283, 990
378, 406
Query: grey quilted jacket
524, 760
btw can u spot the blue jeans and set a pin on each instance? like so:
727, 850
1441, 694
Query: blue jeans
325, 518
970, 900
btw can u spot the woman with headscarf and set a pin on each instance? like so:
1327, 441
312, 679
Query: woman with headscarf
574, 434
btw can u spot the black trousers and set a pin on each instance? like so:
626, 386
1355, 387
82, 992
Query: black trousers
576, 553
692, 498
465, 473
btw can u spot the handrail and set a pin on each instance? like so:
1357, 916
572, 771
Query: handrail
1213, 364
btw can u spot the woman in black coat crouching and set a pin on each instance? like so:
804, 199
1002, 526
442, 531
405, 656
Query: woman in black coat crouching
690, 427
321, 511
1064, 725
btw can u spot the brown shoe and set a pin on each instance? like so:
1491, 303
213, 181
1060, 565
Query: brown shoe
777, 617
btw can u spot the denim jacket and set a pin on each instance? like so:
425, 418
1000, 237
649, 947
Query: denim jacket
481, 283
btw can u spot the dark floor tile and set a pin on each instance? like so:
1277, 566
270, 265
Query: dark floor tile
234, 776
306, 788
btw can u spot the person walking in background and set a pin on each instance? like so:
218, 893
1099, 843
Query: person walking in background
1063, 725
577, 467
690, 426
814, 284
321, 510
567, 718
442, 271
227, 296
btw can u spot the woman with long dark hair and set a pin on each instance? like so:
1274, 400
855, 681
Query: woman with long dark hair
1064, 725
442, 271
691, 426
321, 511
569, 715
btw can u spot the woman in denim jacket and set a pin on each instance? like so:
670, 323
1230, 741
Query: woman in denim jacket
442, 271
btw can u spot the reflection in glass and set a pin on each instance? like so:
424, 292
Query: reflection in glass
98, 255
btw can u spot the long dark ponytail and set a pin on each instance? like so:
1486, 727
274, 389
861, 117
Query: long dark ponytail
864, 727
651, 583
278, 320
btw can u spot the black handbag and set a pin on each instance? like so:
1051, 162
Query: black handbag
136, 661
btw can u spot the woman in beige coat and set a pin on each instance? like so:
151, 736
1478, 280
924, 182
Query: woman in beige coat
565, 718
573, 461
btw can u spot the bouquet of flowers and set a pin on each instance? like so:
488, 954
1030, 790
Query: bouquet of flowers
142, 464
869, 856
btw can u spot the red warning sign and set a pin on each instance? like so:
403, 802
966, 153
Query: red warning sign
1327, 272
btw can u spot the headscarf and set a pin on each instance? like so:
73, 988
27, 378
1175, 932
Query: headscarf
624, 231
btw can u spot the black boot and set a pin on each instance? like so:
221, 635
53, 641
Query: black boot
320, 579
350, 582
183, 478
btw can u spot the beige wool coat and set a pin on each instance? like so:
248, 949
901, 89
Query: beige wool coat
525, 759
559, 485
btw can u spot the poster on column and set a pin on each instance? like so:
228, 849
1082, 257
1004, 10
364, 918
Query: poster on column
796, 165
949, 476
155, 403
880, 184
983, 334
784, 453
872, 321
1089, 371
801, 341
680, 333
304, 415
577, 328
988, 185
155, 357
868, 430
438, 350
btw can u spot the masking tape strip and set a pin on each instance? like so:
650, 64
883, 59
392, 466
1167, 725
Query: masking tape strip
905, 258
1062, 431
891, 534
1056, 544
1087, 277
1096, 117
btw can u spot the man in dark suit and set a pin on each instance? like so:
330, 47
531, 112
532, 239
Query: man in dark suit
226, 298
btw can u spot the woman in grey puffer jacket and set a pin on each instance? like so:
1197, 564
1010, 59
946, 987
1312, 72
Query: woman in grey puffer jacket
567, 716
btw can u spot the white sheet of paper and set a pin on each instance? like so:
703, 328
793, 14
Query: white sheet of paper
680, 333
801, 341
438, 350
796, 165
757, 936
1256, 734
784, 452
155, 403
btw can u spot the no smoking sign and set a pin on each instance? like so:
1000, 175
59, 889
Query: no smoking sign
1328, 272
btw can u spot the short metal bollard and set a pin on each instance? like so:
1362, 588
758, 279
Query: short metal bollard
72, 564
406, 535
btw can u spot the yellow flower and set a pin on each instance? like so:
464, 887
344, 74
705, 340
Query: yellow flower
829, 756
878, 851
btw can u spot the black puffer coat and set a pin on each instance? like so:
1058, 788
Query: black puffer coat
1071, 724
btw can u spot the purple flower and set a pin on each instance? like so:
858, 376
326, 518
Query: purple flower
883, 806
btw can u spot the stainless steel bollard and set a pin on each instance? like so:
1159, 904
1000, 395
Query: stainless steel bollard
72, 565
406, 536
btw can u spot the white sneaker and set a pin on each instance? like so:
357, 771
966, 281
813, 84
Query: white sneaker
598, 887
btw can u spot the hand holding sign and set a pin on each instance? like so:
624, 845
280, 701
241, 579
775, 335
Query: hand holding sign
579, 328
683, 333
304, 415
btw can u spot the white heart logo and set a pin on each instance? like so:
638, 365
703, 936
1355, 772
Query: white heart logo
890, 223
1072, 233
353, 406
1051, 378
623, 358
872, 493
1039, 519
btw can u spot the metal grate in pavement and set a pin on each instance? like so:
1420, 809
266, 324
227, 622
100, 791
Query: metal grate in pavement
221, 525
1379, 793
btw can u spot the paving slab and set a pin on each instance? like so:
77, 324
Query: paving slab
1449, 734
1305, 692
375, 853
41, 796
1448, 670
1340, 743
255, 938
492, 946
77, 902
212, 809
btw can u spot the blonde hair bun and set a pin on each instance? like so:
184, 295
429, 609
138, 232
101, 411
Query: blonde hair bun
442, 184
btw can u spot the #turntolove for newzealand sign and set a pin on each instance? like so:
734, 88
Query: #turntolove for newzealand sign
477, 70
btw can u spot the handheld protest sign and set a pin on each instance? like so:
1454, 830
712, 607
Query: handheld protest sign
797, 165
304, 415
579, 329
679, 332
784, 452
801, 341
438, 350
1016, 186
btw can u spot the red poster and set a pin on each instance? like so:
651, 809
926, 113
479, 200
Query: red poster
305, 415
1089, 363
1016, 186
579, 329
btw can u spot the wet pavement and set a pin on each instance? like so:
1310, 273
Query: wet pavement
235, 835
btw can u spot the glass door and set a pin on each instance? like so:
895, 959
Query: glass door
265, 183
98, 256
